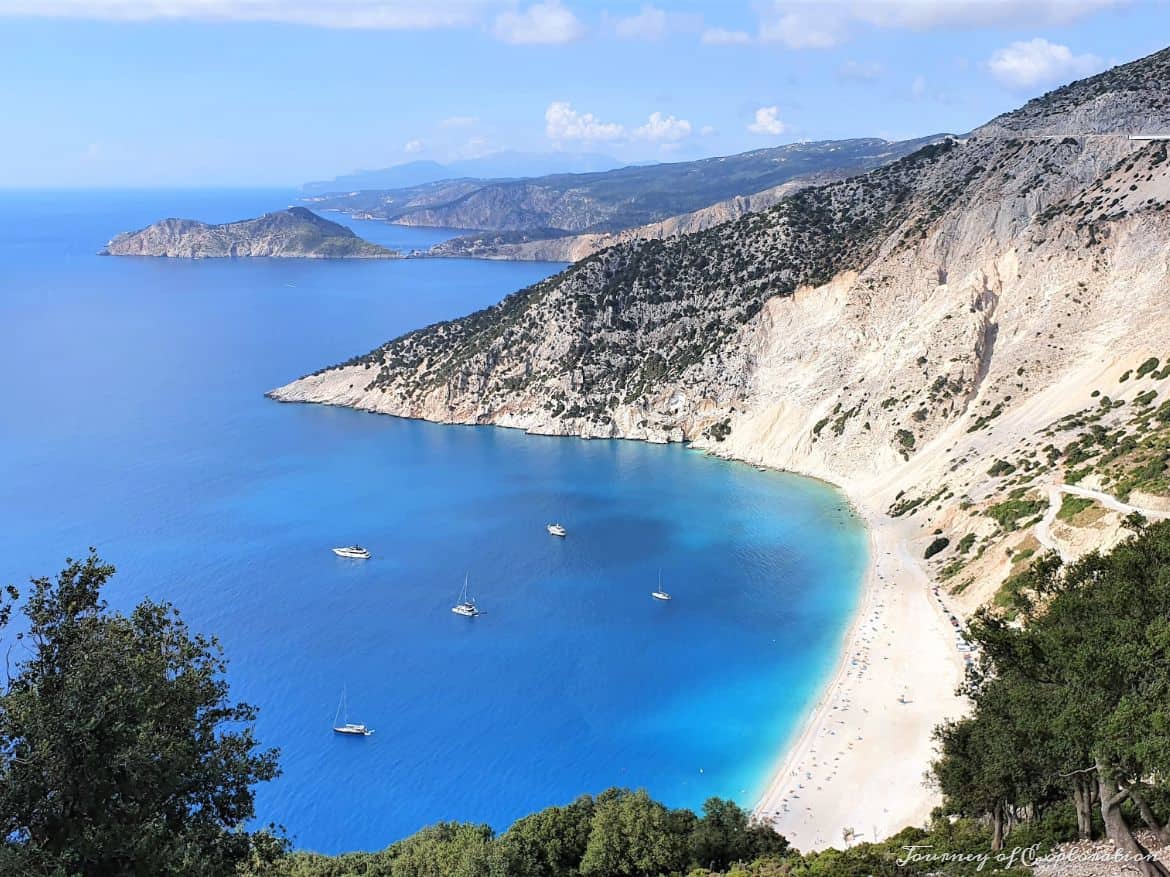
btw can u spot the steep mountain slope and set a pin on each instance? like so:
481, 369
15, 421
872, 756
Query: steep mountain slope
1130, 99
895, 332
611, 200
519, 246
292, 233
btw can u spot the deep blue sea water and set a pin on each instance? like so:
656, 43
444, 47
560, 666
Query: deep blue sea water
133, 420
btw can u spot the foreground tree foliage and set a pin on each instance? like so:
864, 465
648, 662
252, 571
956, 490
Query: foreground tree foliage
1074, 704
618, 833
120, 751
566, 842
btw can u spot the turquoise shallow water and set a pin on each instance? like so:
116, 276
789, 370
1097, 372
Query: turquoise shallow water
134, 420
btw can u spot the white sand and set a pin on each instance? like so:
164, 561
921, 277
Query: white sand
860, 760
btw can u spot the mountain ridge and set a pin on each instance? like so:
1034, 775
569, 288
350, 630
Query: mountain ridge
499, 165
548, 245
612, 201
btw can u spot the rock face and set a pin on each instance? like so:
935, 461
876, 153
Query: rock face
897, 332
610, 201
292, 233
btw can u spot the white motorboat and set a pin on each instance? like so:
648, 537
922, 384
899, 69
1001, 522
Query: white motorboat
342, 725
556, 530
354, 551
466, 605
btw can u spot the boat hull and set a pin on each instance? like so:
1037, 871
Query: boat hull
353, 732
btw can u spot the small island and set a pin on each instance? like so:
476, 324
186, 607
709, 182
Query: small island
295, 233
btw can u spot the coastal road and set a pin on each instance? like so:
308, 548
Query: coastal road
1043, 529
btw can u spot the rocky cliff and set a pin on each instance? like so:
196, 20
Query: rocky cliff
292, 233
946, 335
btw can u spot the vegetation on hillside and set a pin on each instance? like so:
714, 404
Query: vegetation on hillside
1073, 704
1142, 78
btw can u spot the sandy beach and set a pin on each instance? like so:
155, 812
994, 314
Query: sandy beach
859, 761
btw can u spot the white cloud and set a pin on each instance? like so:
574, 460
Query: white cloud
718, 36
562, 122
707, 130
664, 128
547, 22
918, 86
804, 24
365, 14
413, 146
1026, 65
808, 27
928, 14
459, 122
649, 24
856, 71
767, 122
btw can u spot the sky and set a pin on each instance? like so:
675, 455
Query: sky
129, 93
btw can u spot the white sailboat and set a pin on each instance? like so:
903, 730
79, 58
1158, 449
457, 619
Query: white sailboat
660, 594
466, 605
342, 725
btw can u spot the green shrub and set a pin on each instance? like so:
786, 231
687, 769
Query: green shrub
936, 546
1071, 506
1010, 512
1001, 467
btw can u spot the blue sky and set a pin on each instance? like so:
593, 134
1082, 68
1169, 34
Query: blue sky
276, 92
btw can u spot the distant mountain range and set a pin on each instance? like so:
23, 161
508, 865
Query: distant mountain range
614, 200
498, 165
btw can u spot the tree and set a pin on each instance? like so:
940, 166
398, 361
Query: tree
1091, 667
727, 834
120, 751
632, 836
448, 849
999, 763
550, 843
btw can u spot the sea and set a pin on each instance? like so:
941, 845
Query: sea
134, 420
